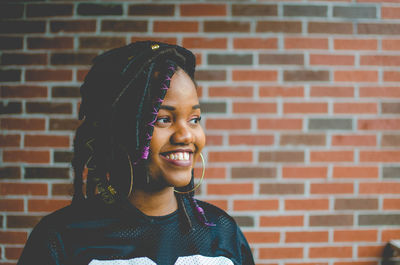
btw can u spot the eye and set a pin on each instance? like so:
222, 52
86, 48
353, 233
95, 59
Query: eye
195, 120
162, 121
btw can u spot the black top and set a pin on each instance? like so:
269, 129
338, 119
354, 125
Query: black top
94, 233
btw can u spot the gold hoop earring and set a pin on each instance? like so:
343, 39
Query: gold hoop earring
131, 168
201, 179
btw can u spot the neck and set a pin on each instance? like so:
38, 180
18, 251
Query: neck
157, 203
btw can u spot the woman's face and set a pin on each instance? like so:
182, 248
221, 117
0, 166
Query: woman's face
178, 137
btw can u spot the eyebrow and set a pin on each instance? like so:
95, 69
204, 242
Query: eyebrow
167, 107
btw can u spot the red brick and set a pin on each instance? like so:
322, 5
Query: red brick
23, 189
254, 107
356, 76
251, 140
10, 140
331, 59
281, 91
331, 188
279, 26
214, 140
391, 204
331, 156
330, 252
205, 43
281, 221
216, 173
306, 204
383, 92
228, 124
22, 124
230, 91
26, 156
23, 59
390, 234
46, 140
11, 43
305, 108
382, 124
230, 189
355, 108
44, 75
49, 10
356, 44
203, 10
380, 60
355, 236
11, 205
175, 26
305, 172
391, 76
254, 75
280, 124
73, 26
390, 45
330, 27
151, 9
379, 188
306, 75
255, 43
306, 43
379, 156
13, 252
23, 91
226, 26
46, 43
353, 140
222, 204
305, 237
370, 251
280, 253
255, 205
262, 237
390, 12
11, 237
355, 172
46, 205
231, 156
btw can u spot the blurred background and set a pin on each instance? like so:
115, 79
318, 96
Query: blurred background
301, 111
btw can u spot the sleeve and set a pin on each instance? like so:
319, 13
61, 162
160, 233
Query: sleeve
243, 246
44, 246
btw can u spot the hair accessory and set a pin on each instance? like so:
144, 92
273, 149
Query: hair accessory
201, 179
202, 214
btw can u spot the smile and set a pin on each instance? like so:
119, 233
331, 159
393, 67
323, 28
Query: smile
183, 159
184, 156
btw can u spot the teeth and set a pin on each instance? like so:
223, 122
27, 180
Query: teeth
184, 156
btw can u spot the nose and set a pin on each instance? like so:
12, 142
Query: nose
182, 135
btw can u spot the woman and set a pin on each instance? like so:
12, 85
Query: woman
138, 142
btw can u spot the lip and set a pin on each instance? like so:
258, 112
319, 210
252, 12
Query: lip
179, 163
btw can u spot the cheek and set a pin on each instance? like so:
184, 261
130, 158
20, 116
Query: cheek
200, 139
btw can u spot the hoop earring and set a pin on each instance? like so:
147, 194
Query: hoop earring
201, 179
131, 169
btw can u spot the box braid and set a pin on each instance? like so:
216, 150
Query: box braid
121, 96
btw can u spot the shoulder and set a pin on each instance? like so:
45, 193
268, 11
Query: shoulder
74, 213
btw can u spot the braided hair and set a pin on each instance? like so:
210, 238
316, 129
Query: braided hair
121, 96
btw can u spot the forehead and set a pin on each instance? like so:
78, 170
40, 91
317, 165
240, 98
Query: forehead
181, 91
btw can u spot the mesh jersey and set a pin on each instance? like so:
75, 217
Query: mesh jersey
98, 234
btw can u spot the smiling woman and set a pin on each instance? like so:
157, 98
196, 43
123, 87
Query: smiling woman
138, 144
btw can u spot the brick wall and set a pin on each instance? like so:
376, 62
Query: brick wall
301, 103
